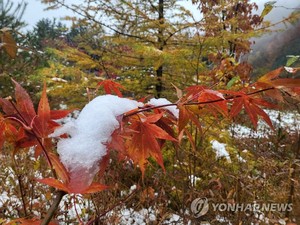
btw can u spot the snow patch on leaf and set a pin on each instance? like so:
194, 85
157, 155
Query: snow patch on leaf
163, 101
88, 136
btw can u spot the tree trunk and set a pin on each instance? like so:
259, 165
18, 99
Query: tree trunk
161, 43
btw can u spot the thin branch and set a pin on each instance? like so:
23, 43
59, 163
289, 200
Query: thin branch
53, 208
76, 212
196, 103
91, 18
111, 208
21, 188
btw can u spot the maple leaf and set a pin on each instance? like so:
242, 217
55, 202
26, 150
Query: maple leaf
59, 168
92, 188
7, 107
10, 133
59, 114
54, 183
251, 106
186, 115
111, 86
144, 143
41, 122
210, 98
77, 182
214, 96
38, 126
117, 140
269, 79
24, 104
103, 164
270, 75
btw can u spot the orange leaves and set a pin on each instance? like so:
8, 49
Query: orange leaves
144, 143
214, 100
194, 102
93, 188
268, 77
272, 79
143, 131
59, 168
36, 126
186, 115
143, 139
67, 183
111, 86
54, 183
43, 115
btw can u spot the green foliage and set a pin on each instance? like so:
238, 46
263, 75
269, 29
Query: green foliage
11, 14
45, 32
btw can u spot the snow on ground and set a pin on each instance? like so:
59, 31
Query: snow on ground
194, 179
220, 149
289, 121
129, 216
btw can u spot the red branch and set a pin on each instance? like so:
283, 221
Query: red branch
196, 103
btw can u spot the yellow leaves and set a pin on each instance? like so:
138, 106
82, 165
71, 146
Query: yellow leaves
83, 60
8, 43
268, 8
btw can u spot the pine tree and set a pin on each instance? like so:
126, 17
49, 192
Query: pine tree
11, 14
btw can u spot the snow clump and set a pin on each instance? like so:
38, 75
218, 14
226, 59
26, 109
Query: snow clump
220, 149
163, 101
82, 151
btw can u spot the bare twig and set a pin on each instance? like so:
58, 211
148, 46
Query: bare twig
53, 208
111, 208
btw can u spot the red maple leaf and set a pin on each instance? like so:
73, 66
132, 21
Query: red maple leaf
213, 100
251, 106
111, 86
68, 182
144, 140
271, 79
